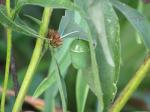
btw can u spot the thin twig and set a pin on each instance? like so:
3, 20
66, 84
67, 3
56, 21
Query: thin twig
14, 74
35, 102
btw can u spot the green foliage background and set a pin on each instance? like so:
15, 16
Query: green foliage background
132, 56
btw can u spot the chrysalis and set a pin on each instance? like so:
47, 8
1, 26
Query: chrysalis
80, 54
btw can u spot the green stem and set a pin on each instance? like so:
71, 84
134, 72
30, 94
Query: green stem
34, 61
8, 58
131, 87
140, 6
8, 8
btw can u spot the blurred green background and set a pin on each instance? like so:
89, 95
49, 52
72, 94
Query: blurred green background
133, 54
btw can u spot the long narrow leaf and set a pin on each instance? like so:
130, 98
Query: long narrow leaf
108, 48
104, 27
93, 79
49, 99
51, 79
82, 90
67, 4
61, 83
139, 22
7, 22
37, 21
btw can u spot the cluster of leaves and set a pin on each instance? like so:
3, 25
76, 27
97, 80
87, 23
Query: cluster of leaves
99, 22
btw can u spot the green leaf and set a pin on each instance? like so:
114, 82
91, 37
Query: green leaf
104, 27
93, 79
21, 28
67, 4
44, 85
67, 26
82, 90
139, 22
47, 3
37, 21
64, 63
60, 82
108, 48
50, 99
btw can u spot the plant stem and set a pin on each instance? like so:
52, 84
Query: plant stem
34, 61
8, 58
8, 8
131, 87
